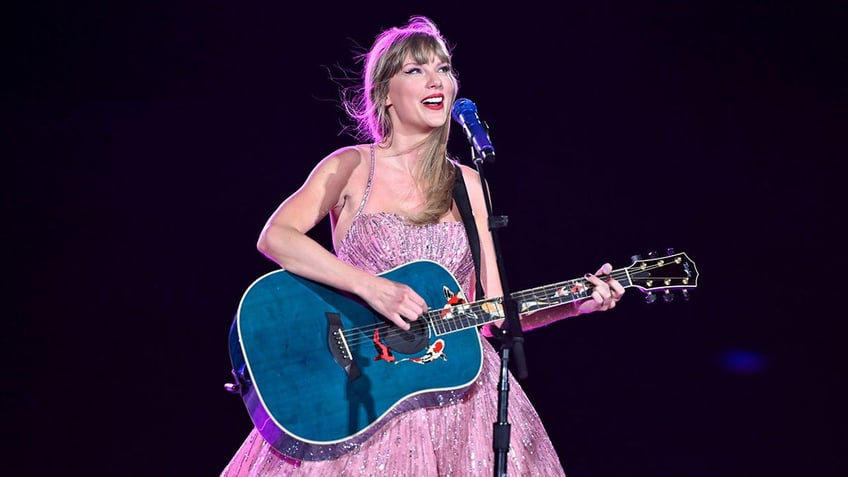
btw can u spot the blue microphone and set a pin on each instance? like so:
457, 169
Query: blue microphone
465, 113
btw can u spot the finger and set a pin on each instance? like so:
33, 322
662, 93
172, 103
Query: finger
616, 289
594, 280
398, 320
603, 294
410, 313
601, 286
609, 289
415, 299
415, 305
600, 299
608, 298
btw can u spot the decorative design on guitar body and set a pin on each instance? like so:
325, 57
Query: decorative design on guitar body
456, 307
434, 352
451, 301
384, 352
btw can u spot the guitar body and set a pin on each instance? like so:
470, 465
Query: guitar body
320, 372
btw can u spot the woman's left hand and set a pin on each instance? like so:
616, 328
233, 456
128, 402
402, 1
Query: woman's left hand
605, 294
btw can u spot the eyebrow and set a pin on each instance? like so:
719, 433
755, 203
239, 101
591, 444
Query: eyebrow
414, 62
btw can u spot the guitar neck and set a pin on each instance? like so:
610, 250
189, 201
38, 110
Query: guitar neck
461, 316
675, 271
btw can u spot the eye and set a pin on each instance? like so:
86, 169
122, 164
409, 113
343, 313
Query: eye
412, 70
445, 69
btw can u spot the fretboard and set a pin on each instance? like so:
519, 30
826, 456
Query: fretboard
462, 316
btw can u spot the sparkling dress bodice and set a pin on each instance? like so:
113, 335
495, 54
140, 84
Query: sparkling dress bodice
381, 241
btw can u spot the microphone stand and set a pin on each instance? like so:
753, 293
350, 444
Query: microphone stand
510, 334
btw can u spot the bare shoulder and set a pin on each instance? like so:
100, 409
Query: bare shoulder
343, 161
472, 180
473, 184
469, 174
341, 177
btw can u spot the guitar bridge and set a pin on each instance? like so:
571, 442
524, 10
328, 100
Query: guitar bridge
339, 348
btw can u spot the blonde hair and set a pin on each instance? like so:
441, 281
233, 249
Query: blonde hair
421, 39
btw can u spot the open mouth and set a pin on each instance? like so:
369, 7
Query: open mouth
434, 102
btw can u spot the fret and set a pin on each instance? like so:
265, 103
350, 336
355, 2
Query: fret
467, 315
438, 324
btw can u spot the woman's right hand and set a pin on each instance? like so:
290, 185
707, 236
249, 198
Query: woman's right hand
397, 302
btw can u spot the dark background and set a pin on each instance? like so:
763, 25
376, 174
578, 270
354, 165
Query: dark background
148, 143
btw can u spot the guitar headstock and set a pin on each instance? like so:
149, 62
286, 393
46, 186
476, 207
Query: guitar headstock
675, 271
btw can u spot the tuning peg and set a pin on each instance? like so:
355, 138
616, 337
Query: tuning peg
685, 293
650, 298
669, 251
635, 258
652, 254
668, 297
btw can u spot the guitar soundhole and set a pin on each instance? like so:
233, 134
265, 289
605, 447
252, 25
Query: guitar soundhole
409, 342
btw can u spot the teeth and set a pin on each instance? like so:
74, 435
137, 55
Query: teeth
433, 101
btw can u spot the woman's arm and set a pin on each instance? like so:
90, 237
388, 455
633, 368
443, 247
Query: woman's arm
284, 240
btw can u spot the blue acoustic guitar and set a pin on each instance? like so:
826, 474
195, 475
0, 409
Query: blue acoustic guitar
320, 372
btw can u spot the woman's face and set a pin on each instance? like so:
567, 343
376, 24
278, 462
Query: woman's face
420, 95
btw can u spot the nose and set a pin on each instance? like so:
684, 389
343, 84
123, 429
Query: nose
434, 80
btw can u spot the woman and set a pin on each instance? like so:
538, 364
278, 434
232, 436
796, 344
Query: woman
390, 202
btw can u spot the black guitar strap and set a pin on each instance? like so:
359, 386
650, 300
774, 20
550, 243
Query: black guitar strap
460, 195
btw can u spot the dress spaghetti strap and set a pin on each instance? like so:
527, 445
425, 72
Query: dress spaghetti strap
370, 181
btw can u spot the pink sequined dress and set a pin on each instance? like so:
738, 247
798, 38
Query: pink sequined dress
451, 440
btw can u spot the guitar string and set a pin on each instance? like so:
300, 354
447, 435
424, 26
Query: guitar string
388, 331
364, 334
369, 329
